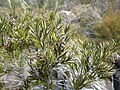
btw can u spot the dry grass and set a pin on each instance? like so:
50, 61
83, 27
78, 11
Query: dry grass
109, 27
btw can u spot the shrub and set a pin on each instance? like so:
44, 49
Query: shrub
109, 27
38, 51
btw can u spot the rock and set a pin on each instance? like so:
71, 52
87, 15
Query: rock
67, 16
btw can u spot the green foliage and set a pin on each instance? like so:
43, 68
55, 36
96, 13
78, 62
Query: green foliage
90, 64
44, 36
41, 47
49, 38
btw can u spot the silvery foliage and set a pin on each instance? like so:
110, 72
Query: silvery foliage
87, 15
101, 4
82, 18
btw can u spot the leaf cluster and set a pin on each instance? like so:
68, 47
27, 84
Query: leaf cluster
40, 51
